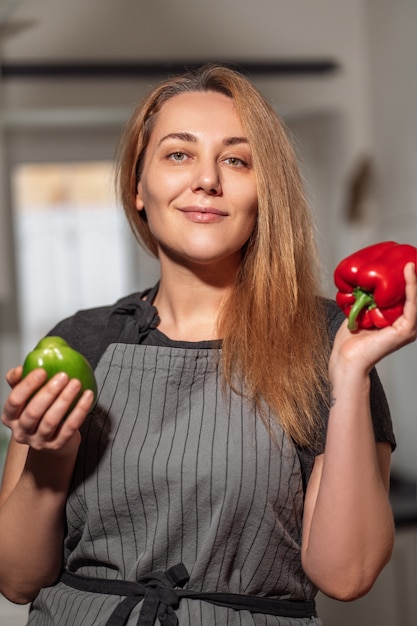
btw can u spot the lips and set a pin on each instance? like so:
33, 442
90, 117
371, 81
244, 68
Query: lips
203, 209
203, 215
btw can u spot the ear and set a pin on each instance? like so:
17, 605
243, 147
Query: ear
139, 202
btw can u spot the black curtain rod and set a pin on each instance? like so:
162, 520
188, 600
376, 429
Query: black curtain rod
126, 69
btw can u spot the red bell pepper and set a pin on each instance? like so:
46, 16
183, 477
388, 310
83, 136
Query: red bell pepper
371, 284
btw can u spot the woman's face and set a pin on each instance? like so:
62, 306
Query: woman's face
197, 184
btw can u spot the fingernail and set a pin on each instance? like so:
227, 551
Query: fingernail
74, 384
88, 395
60, 378
39, 374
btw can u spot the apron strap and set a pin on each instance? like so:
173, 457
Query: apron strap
160, 598
130, 322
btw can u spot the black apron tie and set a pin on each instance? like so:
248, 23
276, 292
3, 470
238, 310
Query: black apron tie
160, 599
156, 590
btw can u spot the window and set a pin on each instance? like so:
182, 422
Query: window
72, 242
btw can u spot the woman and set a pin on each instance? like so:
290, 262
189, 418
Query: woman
238, 456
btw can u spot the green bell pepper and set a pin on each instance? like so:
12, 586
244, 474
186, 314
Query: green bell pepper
53, 354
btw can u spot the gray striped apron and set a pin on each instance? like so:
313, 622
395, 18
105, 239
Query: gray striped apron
182, 510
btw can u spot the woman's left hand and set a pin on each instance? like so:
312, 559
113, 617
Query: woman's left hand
366, 347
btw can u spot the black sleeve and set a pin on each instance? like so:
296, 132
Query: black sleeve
84, 330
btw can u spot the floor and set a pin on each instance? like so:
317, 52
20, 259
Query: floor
12, 614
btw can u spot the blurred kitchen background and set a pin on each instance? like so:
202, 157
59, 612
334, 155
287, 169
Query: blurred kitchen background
341, 74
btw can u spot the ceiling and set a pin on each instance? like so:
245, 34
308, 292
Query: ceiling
101, 33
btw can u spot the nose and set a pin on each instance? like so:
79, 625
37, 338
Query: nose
207, 178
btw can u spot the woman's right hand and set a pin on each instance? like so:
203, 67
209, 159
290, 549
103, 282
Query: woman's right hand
34, 411
36, 477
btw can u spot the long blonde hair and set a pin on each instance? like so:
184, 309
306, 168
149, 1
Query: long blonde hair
272, 325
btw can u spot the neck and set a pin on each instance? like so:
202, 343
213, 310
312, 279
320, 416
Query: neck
189, 302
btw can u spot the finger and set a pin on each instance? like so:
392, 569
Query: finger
74, 420
409, 315
59, 437
410, 281
57, 411
39, 403
28, 402
21, 393
14, 375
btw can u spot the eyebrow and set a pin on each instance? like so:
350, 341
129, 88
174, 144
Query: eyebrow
189, 137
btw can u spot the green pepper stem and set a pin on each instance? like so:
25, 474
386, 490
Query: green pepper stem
363, 299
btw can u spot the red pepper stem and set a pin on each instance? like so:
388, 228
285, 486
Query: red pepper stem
363, 299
